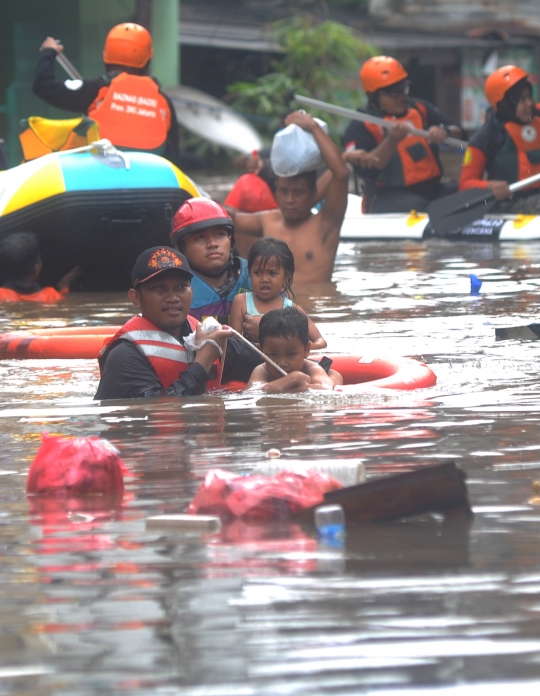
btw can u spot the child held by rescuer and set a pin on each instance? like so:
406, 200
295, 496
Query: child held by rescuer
20, 264
271, 268
284, 338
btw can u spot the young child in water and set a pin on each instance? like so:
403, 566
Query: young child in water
271, 268
284, 338
20, 265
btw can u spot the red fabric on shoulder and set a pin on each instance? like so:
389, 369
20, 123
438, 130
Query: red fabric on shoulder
251, 194
472, 171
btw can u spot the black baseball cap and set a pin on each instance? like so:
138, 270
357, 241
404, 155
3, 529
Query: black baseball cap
156, 260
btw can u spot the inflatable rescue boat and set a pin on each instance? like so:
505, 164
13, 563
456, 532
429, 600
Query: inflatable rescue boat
359, 371
358, 226
98, 208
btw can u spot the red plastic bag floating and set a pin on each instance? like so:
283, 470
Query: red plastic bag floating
259, 498
75, 466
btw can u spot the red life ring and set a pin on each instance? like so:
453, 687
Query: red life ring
87, 341
64, 343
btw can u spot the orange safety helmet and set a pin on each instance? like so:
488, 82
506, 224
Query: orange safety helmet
500, 81
380, 72
128, 44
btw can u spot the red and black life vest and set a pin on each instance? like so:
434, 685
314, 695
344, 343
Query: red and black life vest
519, 157
414, 161
132, 113
164, 352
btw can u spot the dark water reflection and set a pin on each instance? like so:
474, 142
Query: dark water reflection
93, 603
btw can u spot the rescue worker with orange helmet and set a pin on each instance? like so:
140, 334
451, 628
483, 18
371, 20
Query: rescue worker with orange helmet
507, 146
128, 105
404, 171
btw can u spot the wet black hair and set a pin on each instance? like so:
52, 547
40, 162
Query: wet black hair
270, 248
288, 322
506, 108
19, 254
310, 177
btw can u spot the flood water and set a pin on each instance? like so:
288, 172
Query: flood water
92, 603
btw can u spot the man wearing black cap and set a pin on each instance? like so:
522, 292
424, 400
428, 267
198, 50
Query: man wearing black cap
147, 356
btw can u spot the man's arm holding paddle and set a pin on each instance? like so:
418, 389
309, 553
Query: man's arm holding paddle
472, 175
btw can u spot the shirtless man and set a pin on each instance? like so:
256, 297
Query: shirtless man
312, 238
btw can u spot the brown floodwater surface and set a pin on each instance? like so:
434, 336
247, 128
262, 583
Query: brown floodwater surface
92, 603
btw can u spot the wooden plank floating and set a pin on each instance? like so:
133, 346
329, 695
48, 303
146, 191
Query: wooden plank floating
531, 332
439, 488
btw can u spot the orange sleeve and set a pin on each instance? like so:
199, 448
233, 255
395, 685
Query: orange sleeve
472, 171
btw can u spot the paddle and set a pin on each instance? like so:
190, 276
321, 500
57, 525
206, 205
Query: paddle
368, 118
68, 65
457, 210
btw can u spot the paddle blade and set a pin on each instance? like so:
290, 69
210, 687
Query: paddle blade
459, 209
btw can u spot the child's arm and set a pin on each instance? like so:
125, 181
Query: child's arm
238, 310
318, 377
317, 341
293, 382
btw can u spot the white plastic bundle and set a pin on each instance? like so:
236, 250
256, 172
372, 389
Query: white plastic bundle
295, 151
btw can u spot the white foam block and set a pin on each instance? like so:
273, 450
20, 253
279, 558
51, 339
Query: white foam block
184, 523
348, 472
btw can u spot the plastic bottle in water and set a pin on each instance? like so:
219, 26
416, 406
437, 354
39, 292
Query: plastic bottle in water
330, 524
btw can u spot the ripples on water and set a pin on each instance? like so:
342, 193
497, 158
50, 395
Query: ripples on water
92, 603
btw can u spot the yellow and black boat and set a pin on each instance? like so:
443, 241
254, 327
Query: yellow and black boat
94, 206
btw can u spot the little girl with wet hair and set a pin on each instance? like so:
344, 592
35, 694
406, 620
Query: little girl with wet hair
271, 268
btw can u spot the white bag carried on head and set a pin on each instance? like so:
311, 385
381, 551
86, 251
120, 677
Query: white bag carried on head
295, 151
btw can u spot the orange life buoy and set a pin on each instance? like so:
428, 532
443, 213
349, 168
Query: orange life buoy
87, 341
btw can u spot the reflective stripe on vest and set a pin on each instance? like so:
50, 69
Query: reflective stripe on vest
166, 354
132, 113
413, 161
519, 157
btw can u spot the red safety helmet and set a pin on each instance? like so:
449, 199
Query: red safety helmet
198, 214
128, 44
380, 72
500, 81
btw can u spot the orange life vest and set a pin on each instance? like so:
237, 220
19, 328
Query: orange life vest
132, 113
167, 356
45, 295
413, 162
519, 157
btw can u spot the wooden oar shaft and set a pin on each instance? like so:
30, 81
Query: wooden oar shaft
266, 358
368, 118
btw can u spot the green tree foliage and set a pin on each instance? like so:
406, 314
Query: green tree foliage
320, 60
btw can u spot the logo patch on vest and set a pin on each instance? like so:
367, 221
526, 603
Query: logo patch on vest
163, 258
467, 159
528, 133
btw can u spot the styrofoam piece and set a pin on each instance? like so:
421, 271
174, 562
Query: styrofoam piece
348, 472
184, 523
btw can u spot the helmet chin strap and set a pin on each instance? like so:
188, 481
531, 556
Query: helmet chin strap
207, 274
